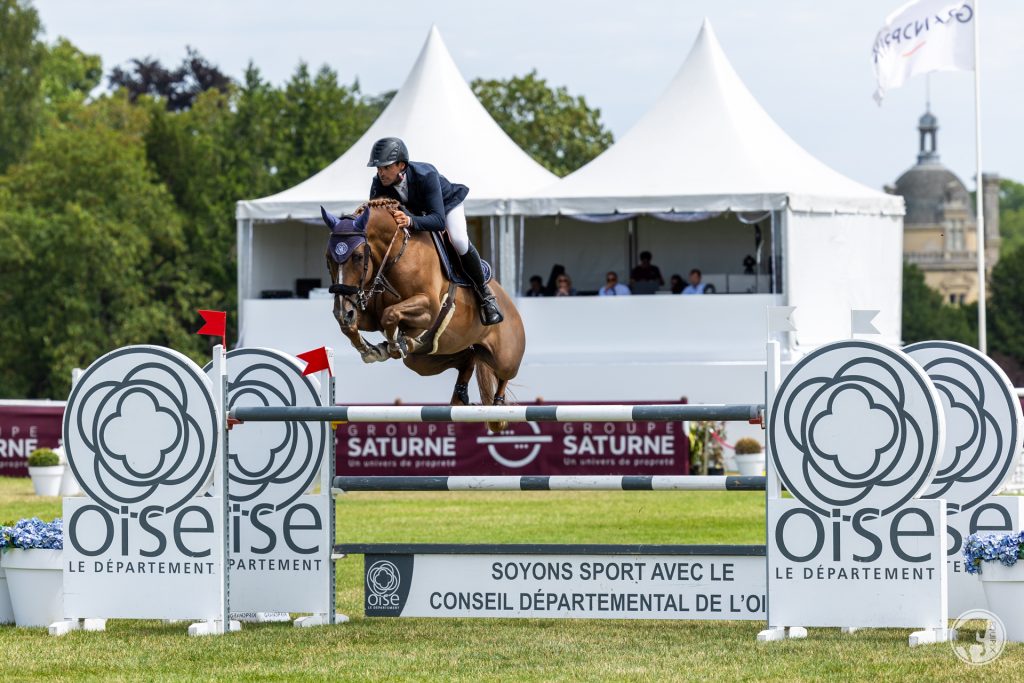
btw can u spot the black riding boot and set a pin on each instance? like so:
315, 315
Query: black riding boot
489, 312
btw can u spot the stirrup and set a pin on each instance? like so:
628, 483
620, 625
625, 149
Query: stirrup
490, 314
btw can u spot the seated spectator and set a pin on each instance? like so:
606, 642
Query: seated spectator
557, 271
563, 286
612, 286
645, 278
695, 286
536, 287
676, 283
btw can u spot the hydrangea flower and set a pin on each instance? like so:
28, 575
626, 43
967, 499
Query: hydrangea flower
33, 533
1005, 548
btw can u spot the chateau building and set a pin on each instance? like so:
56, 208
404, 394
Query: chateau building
940, 232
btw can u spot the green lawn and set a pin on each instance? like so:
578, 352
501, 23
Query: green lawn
491, 649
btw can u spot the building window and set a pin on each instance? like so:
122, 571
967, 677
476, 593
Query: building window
956, 236
952, 298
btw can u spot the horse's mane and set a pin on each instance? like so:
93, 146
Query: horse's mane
384, 203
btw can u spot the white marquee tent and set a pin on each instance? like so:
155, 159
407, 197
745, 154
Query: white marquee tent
708, 146
440, 119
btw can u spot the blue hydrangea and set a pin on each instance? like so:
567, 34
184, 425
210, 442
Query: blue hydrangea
1005, 548
33, 533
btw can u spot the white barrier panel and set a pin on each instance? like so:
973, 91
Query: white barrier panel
487, 582
856, 434
143, 433
983, 441
281, 510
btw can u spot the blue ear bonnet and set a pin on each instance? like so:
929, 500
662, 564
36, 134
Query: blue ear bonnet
346, 236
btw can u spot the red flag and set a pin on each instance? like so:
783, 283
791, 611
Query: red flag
316, 360
215, 325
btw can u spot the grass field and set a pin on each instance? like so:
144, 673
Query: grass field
502, 649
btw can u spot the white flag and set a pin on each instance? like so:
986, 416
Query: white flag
924, 36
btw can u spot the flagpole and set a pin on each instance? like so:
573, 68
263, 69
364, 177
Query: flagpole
980, 191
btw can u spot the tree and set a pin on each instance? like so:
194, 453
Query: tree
926, 316
69, 74
178, 88
558, 130
21, 60
1011, 215
1006, 321
100, 257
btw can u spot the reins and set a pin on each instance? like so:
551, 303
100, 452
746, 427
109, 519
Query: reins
380, 283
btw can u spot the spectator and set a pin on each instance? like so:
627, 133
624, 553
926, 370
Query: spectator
563, 285
612, 286
557, 271
695, 286
676, 283
536, 287
645, 278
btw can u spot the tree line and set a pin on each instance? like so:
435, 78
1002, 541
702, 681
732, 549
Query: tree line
117, 208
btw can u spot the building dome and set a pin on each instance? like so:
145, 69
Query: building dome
927, 188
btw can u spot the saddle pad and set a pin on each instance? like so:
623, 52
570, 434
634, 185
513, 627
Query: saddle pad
446, 252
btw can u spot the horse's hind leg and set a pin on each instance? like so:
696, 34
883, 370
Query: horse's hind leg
460, 395
499, 392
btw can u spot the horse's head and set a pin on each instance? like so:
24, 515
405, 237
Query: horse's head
348, 261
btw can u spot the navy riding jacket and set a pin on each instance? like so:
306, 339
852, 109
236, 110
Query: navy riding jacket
431, 195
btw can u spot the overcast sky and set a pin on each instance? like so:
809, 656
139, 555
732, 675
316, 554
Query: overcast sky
806, 61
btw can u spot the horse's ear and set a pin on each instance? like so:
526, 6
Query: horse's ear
330, 220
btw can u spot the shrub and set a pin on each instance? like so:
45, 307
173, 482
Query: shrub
747, 446
43, 457
33, 533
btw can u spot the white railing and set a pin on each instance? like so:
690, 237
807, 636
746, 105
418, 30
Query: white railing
1016, 483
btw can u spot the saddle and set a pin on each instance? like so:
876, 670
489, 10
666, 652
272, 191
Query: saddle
450, 264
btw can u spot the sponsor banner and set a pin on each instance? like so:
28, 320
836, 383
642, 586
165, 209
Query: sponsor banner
571, 448
857, 570
141, 564
278, 560
24, 428
280, 534
566, 586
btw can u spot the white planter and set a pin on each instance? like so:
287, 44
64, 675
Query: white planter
46, 480
68, 483
750, 464
1004, 591
35, 579
6, 612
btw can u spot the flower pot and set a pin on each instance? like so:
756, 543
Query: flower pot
46, 480
35, 579
6, 612
750, 464
1004, 591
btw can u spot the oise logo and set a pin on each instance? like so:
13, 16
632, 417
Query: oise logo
272, 463
140, 428
855, 424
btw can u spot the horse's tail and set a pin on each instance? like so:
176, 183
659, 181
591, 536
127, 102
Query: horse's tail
487, 383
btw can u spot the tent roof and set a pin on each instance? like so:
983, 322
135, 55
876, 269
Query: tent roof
728, 155
442, 122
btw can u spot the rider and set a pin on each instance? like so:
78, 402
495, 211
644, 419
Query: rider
433, 204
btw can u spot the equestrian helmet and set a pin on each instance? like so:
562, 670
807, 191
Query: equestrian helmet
387, 151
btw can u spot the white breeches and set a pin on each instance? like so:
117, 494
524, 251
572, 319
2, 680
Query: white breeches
456, 225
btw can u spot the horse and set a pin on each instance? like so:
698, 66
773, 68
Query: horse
390, 280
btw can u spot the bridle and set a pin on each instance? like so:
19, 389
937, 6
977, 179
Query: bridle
380, 284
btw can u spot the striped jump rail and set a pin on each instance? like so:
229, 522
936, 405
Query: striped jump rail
543, 413
550, 483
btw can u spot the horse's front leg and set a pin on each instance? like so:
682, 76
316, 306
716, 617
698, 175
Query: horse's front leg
370, 353
413, 313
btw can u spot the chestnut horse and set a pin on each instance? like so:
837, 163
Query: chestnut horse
390, 280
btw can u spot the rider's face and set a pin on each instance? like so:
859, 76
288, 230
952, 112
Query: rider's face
389, 174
